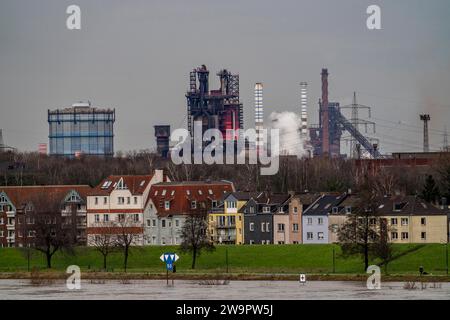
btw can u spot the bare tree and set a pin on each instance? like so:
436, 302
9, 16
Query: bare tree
42, 227
194, 237
106, 242
129, 234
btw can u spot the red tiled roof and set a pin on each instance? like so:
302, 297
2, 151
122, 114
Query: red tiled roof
180, 195
21, 195
136, 184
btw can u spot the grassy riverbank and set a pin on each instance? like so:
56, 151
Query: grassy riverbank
242, 260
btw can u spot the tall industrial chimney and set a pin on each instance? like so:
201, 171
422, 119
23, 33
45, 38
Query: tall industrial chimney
304, 108
425, 118
324, 116
259, 115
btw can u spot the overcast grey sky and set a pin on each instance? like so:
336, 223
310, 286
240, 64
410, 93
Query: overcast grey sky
135, 56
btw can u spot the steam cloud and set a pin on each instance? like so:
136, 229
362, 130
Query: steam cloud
289, 124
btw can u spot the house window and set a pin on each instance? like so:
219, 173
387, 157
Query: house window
263, 241
404, 221
200, 192
319, 221
252, 226
163, 223
295, 227
404, 235
177, 223
263, 226
105, 218
252, 209
309, 221
97, 218
163, 192
193, 204
281, 210
335, 210
105, 200
214, 203
1, 233
231, 204
320, 235
267, 241
266, 209
348, 209
394, 235
167, 205
136, 217
121, 217
135, 200
334, 228
120, 200
394, 221
281, 227
423, 221
128, 200
423, 235
153, 222
252, 241
295, 210
309, 236
96, 200
148, 223
372, 221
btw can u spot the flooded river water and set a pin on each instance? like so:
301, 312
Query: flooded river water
235, 290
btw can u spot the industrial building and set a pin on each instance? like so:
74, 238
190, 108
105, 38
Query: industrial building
326, 136
215, 109
162, 134
81, 129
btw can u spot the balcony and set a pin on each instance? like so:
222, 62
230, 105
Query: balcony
11, 239
224, 238
10, 214
11, 226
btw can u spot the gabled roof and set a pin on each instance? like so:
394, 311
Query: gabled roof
408, 205
135, 183
325, 204
272, 200
242, 195
20, 196
181, 194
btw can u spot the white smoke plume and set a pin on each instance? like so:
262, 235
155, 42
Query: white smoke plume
289, 124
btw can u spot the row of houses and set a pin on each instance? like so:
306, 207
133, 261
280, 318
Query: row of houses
154, 209
262, 218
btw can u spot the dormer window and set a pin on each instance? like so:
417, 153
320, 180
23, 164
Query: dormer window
193, 204
106, 184
167, 205
280, 210
266, 209
121, 185
200, 192
142, 183
348, 209
210, 191
188, 192
335, 209
163, 192
172, 193
156, 193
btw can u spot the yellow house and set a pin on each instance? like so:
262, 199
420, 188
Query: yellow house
226, 224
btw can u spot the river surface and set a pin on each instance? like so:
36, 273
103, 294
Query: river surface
235, 290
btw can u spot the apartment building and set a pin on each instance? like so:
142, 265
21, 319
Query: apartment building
19, 206
226, 223
170, 203
409, 219
298, 203
315, 218
266, 219
117, 206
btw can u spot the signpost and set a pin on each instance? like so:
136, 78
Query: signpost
302, 278
169, 259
